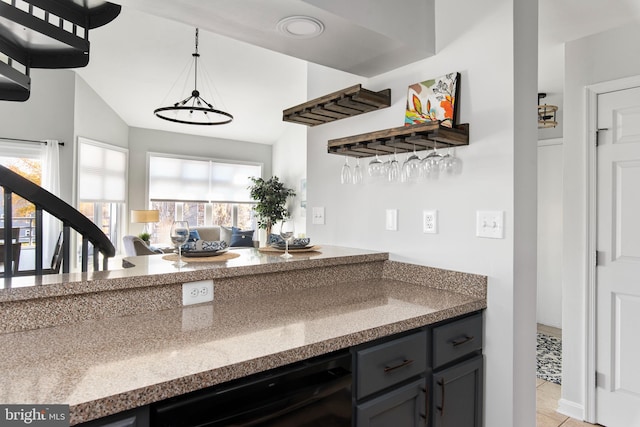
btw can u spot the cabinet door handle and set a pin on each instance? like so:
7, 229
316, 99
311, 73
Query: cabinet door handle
441, 408
461, 341
426, 404
405, 362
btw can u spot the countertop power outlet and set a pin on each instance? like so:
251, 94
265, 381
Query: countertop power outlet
197, 292
430, 222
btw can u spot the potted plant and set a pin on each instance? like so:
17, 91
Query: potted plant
146, 237
271, 196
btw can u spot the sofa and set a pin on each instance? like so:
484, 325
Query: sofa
215, 233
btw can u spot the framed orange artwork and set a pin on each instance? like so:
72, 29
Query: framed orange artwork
433, 100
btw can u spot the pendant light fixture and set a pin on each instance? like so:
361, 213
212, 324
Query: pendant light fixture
194, 110
546, 114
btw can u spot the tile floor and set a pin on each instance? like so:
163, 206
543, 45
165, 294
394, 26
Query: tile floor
548, 394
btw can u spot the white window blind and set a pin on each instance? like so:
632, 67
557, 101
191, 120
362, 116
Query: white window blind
200, 180
102, 172
14, 149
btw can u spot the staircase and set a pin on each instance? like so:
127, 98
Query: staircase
44, 201
45, 34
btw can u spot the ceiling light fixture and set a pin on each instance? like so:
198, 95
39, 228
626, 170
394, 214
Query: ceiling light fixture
194, 110
546, 114
300, 27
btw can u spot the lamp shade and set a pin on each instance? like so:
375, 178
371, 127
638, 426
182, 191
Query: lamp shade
142, 216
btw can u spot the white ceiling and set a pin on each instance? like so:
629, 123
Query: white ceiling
137, 58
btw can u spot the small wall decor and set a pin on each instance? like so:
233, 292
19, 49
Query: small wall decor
433, 101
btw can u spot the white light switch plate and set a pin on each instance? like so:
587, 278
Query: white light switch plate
318, 216
490, 224
392, 220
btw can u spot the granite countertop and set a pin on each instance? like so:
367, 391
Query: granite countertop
108, 365
156, 270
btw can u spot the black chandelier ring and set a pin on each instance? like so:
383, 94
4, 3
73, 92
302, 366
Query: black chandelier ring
206, 111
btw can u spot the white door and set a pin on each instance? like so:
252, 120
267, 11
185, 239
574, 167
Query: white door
618, 270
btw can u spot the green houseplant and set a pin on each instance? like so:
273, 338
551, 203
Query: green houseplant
271, 196
145, 236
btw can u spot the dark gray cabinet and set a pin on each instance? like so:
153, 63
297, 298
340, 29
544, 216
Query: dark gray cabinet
390, 382
456, 383
457, 395
402, 406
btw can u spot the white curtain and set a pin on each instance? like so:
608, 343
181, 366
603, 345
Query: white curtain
51, 226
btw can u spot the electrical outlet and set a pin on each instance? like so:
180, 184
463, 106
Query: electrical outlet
197, 292
430, 222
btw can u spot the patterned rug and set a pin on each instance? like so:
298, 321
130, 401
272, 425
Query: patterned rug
549, 358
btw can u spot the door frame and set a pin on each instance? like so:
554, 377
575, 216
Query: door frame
591, 115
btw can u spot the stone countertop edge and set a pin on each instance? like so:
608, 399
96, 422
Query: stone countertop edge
143, 396
76, 283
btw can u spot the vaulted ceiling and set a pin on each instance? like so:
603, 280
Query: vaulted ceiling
257, 71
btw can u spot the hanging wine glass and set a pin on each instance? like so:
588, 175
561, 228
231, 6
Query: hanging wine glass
375, 167
394, 169
430, 163
450, 163
345, 175
357, 172
411, 166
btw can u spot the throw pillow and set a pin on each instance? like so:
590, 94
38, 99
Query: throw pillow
225, 234
193, 236
240, 238
275, 239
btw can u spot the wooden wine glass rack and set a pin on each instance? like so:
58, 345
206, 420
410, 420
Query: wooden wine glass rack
400, 140
344, 103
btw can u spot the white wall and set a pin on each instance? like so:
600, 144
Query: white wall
47, 114
549, 307
94, 119
607, 56
142, 141
497, 97
290, 165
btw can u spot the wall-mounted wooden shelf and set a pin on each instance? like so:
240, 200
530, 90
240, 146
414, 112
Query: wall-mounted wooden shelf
344, 103
401, 139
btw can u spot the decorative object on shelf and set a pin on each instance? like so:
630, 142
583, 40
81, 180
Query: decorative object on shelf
401, 139
338, 105
546, 114
271, 196
433, 101
193, 110
145, 217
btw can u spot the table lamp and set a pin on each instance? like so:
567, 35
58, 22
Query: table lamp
145, 217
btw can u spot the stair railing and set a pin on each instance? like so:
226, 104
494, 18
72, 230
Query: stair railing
71, 218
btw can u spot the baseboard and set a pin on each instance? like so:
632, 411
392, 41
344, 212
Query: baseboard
571, 409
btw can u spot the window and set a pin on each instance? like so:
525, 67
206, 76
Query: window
202, 192
26, 160
102, 185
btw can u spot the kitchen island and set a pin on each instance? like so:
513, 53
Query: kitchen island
110, 341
